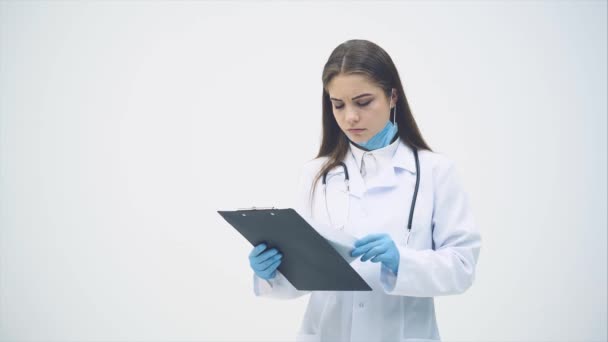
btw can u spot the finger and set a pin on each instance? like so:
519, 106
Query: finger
368, 238
273, 266
260, 266
374, 251
264, 265
365, 248
384, 257
270, 270
266, 255
257, 250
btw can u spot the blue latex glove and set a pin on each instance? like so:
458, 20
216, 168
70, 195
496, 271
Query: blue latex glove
265, 263
378, 248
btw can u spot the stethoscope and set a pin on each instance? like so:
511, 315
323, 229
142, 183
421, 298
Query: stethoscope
346, 182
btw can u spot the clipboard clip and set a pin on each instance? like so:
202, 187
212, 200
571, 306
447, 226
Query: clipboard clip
258, 208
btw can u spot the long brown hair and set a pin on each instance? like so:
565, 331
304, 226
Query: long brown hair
362, 57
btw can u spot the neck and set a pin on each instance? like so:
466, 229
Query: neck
365, 149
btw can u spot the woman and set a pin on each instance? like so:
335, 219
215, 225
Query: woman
367, 124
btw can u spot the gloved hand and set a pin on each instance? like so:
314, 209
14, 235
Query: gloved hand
265, 263
380, 248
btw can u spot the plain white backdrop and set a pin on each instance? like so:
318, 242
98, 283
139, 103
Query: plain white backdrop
125, 126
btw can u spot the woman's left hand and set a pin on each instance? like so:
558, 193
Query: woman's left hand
378, 248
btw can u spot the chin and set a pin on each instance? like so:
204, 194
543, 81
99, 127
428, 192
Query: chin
358, 140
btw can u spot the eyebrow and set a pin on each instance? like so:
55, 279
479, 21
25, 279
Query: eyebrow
354, 98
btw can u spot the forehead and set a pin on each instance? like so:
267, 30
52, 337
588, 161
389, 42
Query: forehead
346, 86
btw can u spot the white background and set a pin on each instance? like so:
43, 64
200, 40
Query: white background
124, 126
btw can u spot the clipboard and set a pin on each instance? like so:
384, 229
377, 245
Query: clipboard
309, 262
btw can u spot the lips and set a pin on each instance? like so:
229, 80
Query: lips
356, 131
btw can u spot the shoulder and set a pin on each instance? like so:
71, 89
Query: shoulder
311, 167
439, 166
435, 161
443, 171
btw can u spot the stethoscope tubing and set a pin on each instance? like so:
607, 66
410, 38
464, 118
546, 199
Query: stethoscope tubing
347, 181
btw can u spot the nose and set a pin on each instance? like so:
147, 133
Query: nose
351, 117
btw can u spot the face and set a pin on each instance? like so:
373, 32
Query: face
360, 107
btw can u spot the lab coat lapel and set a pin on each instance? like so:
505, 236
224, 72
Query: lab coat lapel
386, 178
356, 184
403, 158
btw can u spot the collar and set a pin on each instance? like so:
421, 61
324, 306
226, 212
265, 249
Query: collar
386, 153
402, 157
400, 154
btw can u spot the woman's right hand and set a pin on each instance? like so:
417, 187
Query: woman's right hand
265, 263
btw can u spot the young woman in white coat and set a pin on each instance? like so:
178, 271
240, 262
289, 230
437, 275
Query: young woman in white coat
368, 125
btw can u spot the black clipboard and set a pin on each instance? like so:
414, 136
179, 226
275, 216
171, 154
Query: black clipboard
309, 261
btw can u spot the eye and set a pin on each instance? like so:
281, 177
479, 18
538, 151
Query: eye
360, 105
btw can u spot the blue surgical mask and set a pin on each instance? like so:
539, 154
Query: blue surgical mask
384, 137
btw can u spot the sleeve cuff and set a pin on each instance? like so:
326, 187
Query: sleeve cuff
262, 286
390, 280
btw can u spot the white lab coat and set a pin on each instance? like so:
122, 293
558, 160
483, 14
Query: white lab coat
440, 258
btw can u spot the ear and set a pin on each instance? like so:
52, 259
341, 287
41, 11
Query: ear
394, 98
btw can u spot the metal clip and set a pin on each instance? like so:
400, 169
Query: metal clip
258, 208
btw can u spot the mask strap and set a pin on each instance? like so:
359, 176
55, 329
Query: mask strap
395, 115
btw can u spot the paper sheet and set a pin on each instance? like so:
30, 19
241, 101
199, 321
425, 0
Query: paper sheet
341, 241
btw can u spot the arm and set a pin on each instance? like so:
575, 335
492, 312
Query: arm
279, 287
449, 268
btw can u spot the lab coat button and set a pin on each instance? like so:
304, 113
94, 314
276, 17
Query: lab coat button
361, 305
